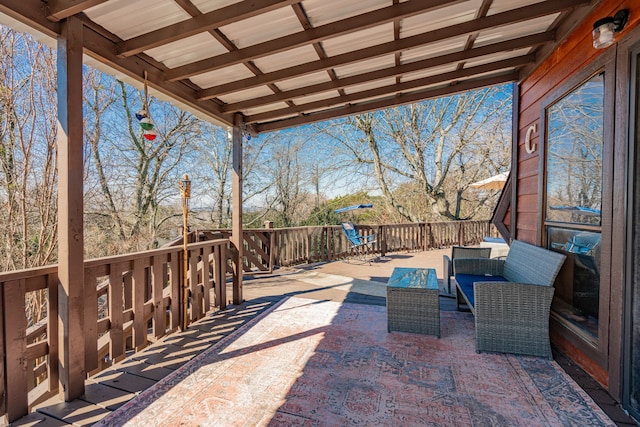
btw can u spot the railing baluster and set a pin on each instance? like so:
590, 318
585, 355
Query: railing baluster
138, 300
174, 266
194, 313
90, 320
157, 285
116, 343
206, 277
52, 331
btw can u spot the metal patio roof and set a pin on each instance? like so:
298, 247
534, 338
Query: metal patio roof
283, 63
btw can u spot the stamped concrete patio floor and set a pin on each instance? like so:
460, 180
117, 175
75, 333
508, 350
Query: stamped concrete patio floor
351, 282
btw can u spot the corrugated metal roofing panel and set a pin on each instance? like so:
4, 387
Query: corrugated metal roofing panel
430, 72
302, 81
265, 108
268, 26
370, 85
246, 94
373, 64
434, 49
496, 57
185, 51
359, 40
224, 75
315, 97
127, 19
321, 12
439, 18
520, 29
286, 59
206, 6
499, 6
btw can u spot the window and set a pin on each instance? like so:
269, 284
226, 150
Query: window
573, 199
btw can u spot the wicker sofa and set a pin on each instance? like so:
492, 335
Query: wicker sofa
511, 298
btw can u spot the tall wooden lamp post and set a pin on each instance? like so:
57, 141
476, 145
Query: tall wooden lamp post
185, 195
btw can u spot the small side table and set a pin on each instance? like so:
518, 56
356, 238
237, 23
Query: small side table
413, 301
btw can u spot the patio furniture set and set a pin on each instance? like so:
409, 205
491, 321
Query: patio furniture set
510, 298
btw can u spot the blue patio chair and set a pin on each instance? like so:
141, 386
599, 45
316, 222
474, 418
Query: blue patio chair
360, 245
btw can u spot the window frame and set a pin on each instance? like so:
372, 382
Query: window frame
595, 348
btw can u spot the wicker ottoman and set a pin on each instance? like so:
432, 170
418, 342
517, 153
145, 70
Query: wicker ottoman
413, 301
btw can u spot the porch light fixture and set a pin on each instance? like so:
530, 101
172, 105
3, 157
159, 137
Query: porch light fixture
605, 28
185, 195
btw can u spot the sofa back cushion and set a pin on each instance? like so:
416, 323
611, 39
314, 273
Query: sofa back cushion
527, 263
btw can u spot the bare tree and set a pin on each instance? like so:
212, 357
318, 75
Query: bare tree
214, 172
134, 175
433, 150
28, 176
290, 171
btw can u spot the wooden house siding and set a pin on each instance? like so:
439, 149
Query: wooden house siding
572, 57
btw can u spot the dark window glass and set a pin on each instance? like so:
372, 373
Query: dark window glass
577, 295
573, 196
574, 154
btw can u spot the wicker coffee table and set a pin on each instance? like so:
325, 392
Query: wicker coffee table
413, 301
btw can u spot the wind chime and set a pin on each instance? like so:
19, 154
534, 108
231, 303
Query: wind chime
144, 119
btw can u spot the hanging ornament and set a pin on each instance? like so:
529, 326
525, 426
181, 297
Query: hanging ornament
150, 135
146, 123
143, 115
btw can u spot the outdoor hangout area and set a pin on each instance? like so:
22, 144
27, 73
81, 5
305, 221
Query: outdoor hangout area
327, 343
319, 212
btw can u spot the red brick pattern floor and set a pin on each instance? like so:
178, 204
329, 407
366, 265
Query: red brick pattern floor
317, 363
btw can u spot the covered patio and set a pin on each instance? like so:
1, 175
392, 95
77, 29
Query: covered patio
251, 66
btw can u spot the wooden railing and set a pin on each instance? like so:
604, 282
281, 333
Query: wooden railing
129, 300
268, 248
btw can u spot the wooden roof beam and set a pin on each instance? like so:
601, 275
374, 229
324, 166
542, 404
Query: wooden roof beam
387, 102
199, 24
61, 9
305, 37
509, 45
493, 21
394, 88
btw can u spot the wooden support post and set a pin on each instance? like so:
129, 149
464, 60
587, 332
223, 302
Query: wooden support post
70, 208
236, 222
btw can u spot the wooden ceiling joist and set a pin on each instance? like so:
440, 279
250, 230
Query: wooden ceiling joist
61, 9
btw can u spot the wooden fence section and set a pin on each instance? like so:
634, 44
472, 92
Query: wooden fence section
129, 300
268, 248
